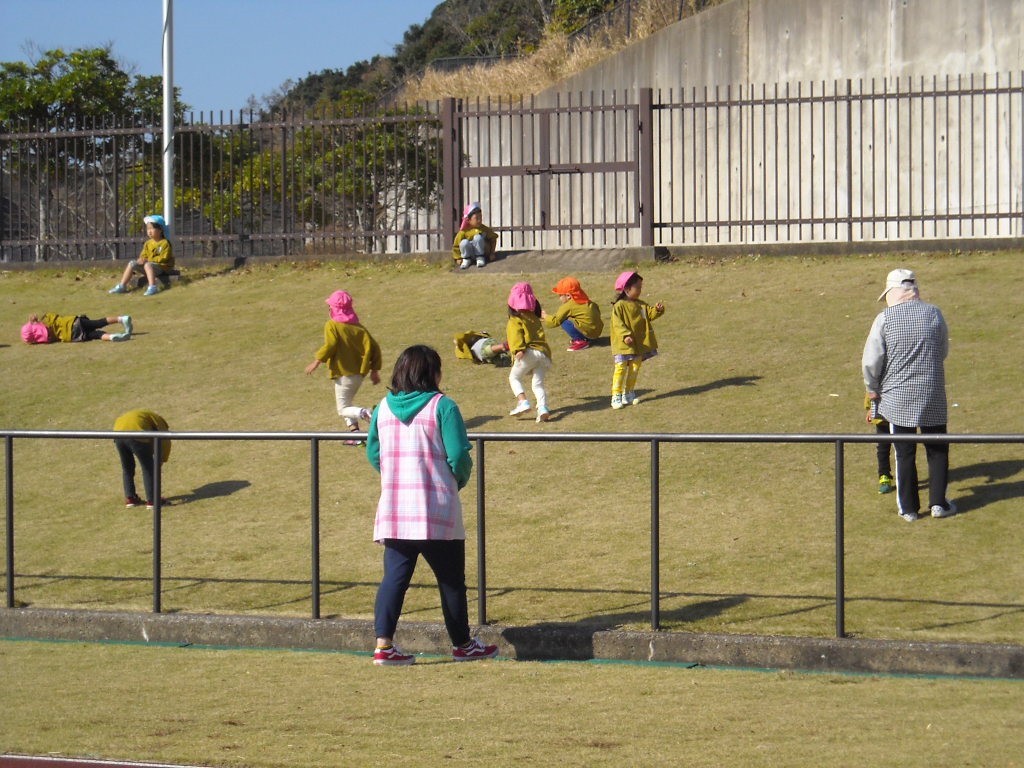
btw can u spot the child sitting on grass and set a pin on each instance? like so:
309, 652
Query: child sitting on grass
474, 239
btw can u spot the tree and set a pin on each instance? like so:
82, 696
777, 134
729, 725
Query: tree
77, 91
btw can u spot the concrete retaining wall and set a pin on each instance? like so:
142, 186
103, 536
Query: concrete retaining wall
778, 41
543, 642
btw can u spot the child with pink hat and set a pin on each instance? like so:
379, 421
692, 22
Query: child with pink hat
351, 354
632, 336
529, 349
474, 239
67, 328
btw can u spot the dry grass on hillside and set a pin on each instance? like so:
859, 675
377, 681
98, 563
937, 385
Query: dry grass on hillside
555, 58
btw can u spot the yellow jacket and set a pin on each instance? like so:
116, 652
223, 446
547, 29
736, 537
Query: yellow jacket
349, 350
145, 421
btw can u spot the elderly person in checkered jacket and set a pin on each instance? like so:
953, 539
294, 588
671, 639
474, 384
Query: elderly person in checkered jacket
904, 368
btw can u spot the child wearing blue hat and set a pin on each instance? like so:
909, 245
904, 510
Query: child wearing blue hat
155, 259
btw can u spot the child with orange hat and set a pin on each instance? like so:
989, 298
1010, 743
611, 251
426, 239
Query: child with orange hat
578, 315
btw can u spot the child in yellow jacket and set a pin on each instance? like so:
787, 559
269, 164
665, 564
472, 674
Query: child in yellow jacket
577, 315
529, 350
632, 336
351, 353
474, 239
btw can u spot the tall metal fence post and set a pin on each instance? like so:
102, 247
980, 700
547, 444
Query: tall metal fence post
9, 474
157, 526
481, 538
840, 545
645, 156
451, 163
314, 524
655, 535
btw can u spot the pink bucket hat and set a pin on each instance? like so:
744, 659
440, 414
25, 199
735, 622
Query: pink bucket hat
340, 303
622, 279
521, 298
468, 211
35, 333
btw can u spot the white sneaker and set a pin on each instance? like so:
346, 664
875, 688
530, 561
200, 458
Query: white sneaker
465, 264
630, 398
521, 407
910, 517
543, 414
616, 402
481, 261
948, 511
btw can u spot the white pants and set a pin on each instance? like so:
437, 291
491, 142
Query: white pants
536, 362
345, 388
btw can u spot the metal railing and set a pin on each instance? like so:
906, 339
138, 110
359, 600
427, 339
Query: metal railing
480, 440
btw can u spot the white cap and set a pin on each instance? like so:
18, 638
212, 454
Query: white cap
897, 279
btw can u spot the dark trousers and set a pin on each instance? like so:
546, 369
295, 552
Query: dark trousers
906, 469
882, 450
129, 451
447, 559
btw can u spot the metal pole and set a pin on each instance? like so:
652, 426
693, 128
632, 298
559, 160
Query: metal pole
655, 536
481, 539
168, 113
840, 546
156, 525
9, 473
314, 517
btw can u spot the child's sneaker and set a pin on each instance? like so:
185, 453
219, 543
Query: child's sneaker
119, 337
885, 484
521, 407
630, 398
577, 345
118, 289
152, 290
365, 415
465, 264
543, 414
126, 321
163, 503
392, 656
474, 650
130, 502
616, 402
481, 261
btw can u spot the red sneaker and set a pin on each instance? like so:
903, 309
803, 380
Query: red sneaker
392, 656
473, 651
163, 503
132, 501
577, 345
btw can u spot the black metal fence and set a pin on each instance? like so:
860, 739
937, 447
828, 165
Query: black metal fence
842, 162
654, 440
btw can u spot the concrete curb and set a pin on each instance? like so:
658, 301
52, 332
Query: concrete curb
544, 642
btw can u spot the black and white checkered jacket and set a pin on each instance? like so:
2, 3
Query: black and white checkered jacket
904, 362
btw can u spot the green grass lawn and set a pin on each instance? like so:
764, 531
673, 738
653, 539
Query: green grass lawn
748, 345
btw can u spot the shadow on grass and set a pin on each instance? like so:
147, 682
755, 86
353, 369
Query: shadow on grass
210, 491
600, 403
992, 489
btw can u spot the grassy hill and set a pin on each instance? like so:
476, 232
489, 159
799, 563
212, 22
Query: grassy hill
748, 345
